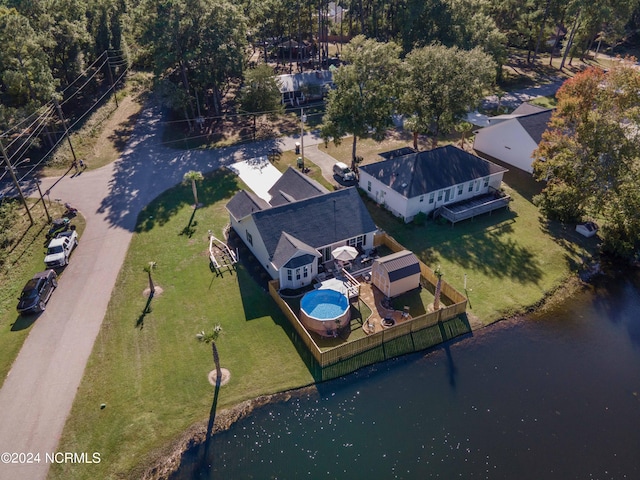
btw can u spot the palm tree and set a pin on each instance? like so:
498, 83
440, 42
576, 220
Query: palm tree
149, 268
193, 176
212, 337
463, 128
436, 301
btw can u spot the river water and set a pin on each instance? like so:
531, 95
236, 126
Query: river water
554, 396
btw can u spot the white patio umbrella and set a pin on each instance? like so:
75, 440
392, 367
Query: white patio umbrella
345, 253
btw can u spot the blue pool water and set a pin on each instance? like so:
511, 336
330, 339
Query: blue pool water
324, 304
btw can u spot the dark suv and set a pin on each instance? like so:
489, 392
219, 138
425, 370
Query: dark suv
37, 291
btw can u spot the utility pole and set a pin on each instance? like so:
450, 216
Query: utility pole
66, 131
44, 204
15, 180
303, 118
113, 87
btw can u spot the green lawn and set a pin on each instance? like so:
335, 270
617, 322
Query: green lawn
25, 257
512, 258
149, 369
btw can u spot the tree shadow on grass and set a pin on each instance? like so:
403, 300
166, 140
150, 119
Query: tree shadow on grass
145, 311
216, 186
190, 229
574, 244
484, 245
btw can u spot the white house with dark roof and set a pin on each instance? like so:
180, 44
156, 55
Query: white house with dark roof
513, 138
296, 232
424, 181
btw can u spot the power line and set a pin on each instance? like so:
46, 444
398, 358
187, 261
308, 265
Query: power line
83, 73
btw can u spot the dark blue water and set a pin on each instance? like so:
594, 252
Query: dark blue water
555, 396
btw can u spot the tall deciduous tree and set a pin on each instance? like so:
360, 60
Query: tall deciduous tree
200, 44
260, 92
361, 104
25, 74
439, 85
590, 156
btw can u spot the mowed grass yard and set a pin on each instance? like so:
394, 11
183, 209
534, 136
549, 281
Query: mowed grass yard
151, 372
512, 258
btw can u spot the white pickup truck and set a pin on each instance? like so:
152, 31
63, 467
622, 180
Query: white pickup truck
60, 248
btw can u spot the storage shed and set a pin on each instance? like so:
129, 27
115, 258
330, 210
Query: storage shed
396, 274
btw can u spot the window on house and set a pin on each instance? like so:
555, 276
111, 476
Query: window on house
440, 196
460, 189
470, 186
297, 274
486, 182
421, 198
477, 185
305, 271
368, 186
431, 197
358, 241
289, 274
249, 238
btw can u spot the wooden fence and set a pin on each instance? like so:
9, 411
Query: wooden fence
414, 335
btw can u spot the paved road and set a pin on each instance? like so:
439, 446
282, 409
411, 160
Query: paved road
514, 99
38, 393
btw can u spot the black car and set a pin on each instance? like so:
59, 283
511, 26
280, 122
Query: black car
37, 291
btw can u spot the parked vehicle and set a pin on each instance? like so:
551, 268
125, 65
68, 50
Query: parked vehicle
344, 172
37, 291
60, 248
70, 211
58, 225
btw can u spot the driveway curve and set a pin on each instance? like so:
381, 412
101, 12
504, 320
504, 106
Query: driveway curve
38, 393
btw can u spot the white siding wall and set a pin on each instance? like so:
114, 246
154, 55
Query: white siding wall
312, 271
408, 208
258, 249
508, 142
383, 195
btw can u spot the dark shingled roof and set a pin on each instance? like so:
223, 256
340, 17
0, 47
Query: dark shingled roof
293, 186
400, 265
535, 124
398, 152
423, 172
287, 246
297, 262
245, 203
316, 221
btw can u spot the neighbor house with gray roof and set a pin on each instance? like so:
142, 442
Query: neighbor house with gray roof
425, 181
513, 138
295, 233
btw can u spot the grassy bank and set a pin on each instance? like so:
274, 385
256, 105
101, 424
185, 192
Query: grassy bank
151, 372
148, 368
25, 256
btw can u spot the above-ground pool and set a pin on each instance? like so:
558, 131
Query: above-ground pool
324, 311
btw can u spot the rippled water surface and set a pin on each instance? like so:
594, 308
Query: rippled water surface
552, 397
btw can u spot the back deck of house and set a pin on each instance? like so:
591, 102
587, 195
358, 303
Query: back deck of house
473, 207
